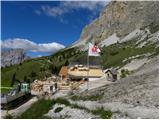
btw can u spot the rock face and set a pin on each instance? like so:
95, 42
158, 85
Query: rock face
12, 56
121, 18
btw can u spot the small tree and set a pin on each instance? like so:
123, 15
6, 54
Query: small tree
42, 70
124, 73
33, 75
51, 68
66, 63
55, 70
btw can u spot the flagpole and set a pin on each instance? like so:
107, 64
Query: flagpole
88, 72
93, 50
88, 69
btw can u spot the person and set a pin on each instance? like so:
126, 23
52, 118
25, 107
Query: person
19, 87
108, 77
56, 87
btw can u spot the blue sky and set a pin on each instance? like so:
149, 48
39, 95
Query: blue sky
41, 27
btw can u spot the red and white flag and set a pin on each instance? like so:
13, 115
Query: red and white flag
93, 50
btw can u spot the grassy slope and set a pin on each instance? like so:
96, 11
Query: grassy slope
37, 110
113, 55
21, 70
57, 60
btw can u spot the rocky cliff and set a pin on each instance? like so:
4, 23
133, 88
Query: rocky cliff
12, 56
121, 18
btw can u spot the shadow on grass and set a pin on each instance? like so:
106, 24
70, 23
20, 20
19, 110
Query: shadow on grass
37, 110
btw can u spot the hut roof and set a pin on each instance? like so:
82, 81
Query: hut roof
113, 71
63, 71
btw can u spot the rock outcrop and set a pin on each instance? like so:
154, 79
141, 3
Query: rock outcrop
12, 56
121, 18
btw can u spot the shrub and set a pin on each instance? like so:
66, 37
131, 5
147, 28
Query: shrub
58, 109
79, 107
62, 101
88, 97
124, 73
103, 113
112, 53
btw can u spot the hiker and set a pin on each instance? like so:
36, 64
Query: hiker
109, 77
56, 88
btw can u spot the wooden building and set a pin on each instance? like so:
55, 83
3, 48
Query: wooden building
111, 74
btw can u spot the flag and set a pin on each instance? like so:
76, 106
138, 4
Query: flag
93, 50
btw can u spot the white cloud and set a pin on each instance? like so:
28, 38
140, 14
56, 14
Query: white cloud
31, 46
38, 12
90, 5
68, 6
53, 11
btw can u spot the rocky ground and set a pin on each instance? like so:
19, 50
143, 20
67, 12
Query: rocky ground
71, 113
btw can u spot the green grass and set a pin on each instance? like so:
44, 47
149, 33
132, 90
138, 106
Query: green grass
102, 113
21, 70
62, 101
113, 55
87, 97
4, 90
44, 66
37, 110
79, 107
124, 73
